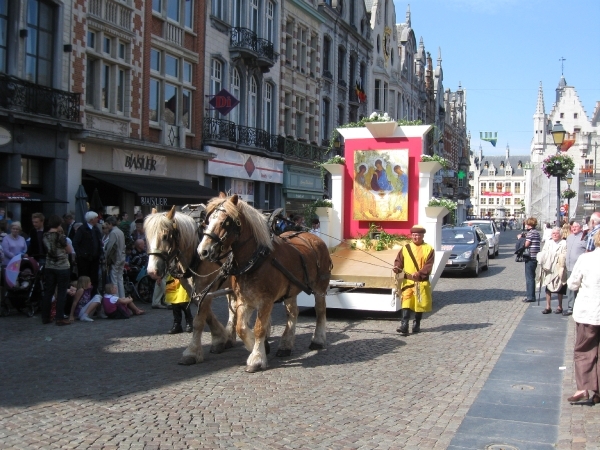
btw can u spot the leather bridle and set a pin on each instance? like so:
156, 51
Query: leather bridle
230, 226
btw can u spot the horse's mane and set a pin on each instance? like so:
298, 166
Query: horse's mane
156, 224
255, 220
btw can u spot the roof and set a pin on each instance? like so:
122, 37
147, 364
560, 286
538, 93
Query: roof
497, 161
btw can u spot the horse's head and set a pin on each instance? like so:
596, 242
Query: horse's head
162, 236
223, 228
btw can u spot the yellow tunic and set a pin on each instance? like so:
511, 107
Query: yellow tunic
418, 298
174, 291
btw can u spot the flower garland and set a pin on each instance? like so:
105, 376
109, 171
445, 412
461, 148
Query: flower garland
557, 165
446, 203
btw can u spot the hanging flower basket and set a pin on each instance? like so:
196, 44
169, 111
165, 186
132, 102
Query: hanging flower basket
557, 165
569, 193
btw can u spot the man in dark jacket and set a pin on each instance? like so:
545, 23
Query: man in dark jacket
36, 247
88, 249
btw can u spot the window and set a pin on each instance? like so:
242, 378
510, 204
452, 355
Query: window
187, 72
105, 85
171, 66
268, 108
157, 5
3, 34
270, 36
312, 55
326, 55
507, 187
173, 10
121, 91
461, 182
517, 188
499, 187
483, 201
289, 46
300, 120
302, 49
311, 121
186, 109
385, 96
562, 115
155, 60
90, 81
31, 173
171, 98
236, 84
377, 96
491, 187
575, 116
40, 42
341, 64
352, 12
216, 69
482, 186
472, 191
287, 117
237, 13
154, 100
121, 50
254, 16
497, 200
106, 45
188, 13
341, 115
253, 104
507, 201
326, 116
91, 40
508, 172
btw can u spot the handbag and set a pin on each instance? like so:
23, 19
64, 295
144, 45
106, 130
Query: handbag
526, 254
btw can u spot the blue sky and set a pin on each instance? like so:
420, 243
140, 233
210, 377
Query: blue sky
500, 50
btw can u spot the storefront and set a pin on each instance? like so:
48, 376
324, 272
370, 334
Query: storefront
256, 179
301, 187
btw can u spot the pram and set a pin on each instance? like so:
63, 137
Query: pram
24, 286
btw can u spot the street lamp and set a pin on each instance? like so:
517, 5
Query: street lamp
558, 136
569, 179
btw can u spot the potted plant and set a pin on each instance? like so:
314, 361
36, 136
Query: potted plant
432, 163
381, 125
557, 165
569, 193
318, 208
439, 207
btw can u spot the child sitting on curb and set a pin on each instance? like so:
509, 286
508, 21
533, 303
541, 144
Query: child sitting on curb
118, 308
84, 304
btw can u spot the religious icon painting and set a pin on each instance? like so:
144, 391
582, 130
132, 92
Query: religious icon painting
380, 185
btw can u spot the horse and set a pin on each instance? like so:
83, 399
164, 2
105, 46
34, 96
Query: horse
172, 240
265, 268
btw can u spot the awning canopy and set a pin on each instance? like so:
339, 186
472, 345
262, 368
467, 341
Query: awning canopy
155, 191
13, 195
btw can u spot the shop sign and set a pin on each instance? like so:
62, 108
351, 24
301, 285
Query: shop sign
496, 194
223, 102
139, 163
154, 201
233, 164
5, 136
595, 196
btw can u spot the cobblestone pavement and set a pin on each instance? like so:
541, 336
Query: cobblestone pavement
116, 384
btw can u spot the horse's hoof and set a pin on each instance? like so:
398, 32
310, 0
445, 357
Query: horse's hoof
187, 361
283, 352
267, 348
218, 348
253, 369
315, 346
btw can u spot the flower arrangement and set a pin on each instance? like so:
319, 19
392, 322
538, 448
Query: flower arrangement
446, 203
376, 117
337, 159
310, 209
569, 193
378, 239
557, 165
437, 158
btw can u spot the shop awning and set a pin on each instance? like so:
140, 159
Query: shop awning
13, 195
155, 191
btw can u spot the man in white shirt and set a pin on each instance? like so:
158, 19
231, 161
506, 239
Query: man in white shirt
115, 254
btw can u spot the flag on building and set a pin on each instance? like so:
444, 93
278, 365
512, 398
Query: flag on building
360, 93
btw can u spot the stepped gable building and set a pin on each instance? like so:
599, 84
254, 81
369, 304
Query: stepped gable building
498, 185
581, 144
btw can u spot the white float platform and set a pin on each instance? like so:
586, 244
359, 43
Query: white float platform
371, 299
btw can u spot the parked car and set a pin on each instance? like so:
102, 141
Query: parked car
469, 249
492, 232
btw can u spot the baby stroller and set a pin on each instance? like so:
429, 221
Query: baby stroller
24, 287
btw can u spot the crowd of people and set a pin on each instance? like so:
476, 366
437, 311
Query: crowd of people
564, 260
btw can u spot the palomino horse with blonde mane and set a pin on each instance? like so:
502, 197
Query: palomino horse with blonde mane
264, 269
172, 240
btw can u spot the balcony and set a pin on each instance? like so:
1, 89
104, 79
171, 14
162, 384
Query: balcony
255, 51
239, 137
25, 97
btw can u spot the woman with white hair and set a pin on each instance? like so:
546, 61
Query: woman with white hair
553, 270
586, 312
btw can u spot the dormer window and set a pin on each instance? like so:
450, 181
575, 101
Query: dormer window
491, 172
508, 172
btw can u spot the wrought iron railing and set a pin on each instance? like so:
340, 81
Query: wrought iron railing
23, 96
225, 130
247, 39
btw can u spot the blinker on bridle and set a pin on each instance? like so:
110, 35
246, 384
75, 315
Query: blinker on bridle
230, 226
167, 257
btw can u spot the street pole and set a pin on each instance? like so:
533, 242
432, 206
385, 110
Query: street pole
558, 136
558, 216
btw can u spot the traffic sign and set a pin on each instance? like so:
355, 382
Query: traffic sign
563, 209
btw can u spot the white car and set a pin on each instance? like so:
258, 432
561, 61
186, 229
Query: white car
491, 231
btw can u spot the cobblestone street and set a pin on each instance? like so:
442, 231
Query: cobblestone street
116, 384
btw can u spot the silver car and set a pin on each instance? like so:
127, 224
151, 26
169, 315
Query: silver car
491, 231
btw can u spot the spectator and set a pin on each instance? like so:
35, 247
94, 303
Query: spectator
13, 243
586, 312
532, 242
177, 297
553, 273
36, 246
3, 233
138, 233
138, 216
88, 249
565, 231
115, 306
139, 257
84, 304
57, 271
576, 247
69, 223
547, 233
316, 227
594, 226
115, 254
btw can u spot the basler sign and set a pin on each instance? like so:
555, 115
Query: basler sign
139, 163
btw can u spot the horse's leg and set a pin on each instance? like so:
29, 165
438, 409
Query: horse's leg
258, 358
289, 334
193, 353
220, 337
244, 332
231, 322
319, 337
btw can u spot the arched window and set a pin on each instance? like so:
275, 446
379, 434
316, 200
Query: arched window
216, 80
253, 104
236, 91
268, 110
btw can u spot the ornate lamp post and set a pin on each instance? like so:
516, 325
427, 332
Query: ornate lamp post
558, 136
569, 179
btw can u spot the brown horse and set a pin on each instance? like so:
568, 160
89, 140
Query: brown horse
264, 269
172, 240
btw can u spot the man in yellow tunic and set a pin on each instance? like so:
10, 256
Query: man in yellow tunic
414, 264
